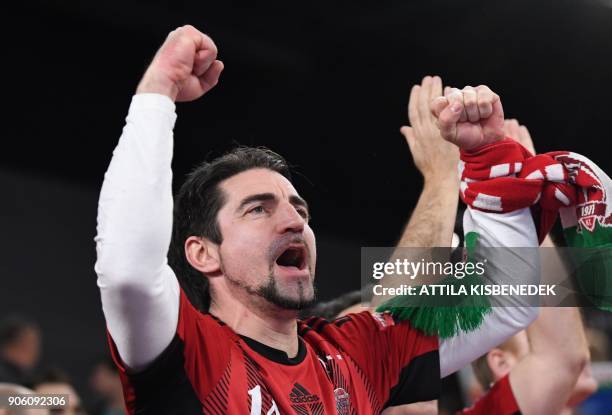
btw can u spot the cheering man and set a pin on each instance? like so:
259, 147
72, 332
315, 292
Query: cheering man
226, 340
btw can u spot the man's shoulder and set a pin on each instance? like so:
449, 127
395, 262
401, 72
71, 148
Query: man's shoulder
346, 329
364, 319
199, 323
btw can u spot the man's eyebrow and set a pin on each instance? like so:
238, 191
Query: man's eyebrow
259, 197
265, 197
296, 200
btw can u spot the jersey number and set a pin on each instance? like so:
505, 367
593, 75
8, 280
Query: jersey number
256, 403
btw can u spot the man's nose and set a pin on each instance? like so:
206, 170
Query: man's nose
290, 219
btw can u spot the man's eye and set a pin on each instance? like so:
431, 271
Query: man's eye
303, 213
257, 209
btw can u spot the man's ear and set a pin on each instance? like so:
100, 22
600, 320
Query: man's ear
499, 363
203, 255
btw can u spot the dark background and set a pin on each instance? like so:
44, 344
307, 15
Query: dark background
323, 83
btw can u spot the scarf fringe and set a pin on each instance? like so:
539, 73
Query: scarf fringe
465, 314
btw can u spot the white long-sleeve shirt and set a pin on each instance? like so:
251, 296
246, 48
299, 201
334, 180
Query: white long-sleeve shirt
511, 230
140, 293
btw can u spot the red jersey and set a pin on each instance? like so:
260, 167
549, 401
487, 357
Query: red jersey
499, 400
357, 364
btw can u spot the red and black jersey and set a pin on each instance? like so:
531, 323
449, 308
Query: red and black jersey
499, 400
357, 364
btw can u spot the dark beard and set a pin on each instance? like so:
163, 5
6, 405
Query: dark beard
270, 292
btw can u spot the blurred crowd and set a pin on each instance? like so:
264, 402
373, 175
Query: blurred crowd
21, 372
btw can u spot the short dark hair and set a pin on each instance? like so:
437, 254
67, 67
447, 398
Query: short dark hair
196, 207
483, 372
481, 367
12, 327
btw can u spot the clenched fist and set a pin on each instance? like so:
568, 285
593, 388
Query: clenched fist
470, 117
184, 68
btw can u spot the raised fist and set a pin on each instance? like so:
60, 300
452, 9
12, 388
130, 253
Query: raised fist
470, 117
184, 68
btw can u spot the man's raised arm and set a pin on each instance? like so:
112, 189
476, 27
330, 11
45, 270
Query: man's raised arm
433, 219
471, 118
471, 114
140, 293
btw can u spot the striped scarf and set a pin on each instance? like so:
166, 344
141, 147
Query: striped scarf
504, 177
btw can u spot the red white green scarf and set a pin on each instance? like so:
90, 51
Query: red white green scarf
504, 177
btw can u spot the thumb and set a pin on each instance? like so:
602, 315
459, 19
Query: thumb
437, 105
202, 61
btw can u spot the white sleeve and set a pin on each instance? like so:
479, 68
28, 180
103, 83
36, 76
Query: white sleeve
514, 230
140, 293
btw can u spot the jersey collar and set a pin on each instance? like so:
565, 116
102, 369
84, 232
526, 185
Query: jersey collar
276, 355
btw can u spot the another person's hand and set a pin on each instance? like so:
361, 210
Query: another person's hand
433, 156
469, 118
184, 68
520, 133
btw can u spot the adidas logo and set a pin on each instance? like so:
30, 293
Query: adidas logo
300, 395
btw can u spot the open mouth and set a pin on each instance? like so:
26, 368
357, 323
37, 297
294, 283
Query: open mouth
294, 256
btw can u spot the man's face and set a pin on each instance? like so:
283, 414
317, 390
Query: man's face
31, 347
25, 350
509, 354
105, 381
268, 248
518, 348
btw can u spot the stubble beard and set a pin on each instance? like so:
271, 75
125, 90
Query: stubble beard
270, 292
